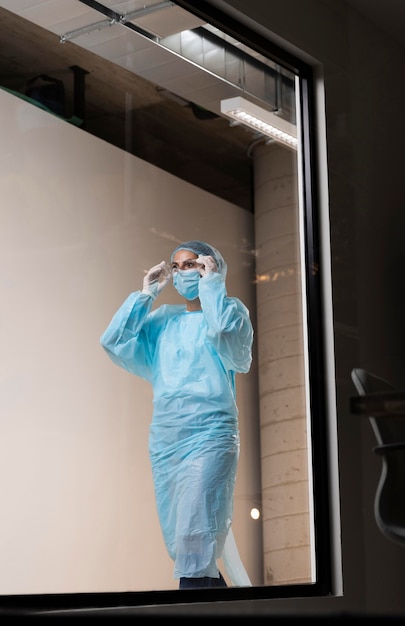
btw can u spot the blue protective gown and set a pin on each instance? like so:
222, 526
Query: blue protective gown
191, 359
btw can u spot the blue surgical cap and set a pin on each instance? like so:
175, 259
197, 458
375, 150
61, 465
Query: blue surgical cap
200, 247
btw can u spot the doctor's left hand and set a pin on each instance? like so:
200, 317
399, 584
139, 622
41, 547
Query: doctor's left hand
156, 279
206, 265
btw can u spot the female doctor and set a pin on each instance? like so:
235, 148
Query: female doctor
190, 354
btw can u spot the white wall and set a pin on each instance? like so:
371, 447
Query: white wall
80, 222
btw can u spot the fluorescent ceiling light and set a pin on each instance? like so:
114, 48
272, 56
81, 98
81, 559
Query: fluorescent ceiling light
265, 122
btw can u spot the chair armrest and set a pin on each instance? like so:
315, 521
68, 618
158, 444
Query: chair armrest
388, 447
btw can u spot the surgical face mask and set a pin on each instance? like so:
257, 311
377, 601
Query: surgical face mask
186, 282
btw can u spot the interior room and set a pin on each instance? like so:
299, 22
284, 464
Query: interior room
120, 140
120, 153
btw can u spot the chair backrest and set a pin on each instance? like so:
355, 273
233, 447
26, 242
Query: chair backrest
366, 383
389, 430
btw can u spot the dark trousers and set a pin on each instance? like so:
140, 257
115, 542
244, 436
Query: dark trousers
196, 583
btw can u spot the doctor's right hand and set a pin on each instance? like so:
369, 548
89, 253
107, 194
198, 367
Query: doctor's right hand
156, 279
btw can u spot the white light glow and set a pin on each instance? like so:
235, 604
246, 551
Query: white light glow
259, 119
255, 513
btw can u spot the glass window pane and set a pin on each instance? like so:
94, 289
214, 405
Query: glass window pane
150, 153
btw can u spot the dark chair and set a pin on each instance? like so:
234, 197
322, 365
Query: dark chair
389, 430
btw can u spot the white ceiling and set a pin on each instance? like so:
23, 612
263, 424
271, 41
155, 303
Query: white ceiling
171, 55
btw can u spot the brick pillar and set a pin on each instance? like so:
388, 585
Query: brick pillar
283, 427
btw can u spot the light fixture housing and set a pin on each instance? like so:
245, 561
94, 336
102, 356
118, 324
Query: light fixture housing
266, 122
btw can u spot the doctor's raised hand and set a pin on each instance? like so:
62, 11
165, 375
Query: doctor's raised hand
156, 279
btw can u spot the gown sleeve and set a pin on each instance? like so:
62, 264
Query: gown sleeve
127, 338
230, 329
